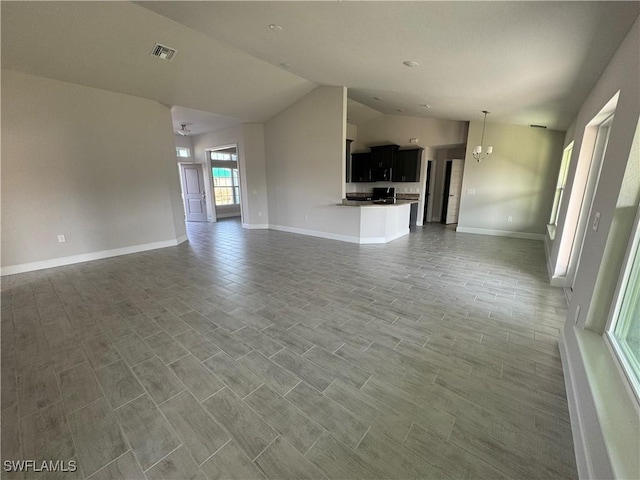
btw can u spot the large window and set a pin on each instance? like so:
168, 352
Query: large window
224, 171
226, 188
562, 182
624, 330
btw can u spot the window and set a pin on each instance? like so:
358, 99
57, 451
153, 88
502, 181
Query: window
562, 182
224, 171
183, 152
226, 188
624, 331
224, 155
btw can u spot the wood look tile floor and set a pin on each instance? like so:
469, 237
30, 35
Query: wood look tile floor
261, 354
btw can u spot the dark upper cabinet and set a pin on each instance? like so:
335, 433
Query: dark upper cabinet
382, 162
361, 167
386, 163
347, 152
406, 165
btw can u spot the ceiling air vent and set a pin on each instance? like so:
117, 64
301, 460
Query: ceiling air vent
163, 52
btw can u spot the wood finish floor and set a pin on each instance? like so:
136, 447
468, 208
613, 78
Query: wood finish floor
261, 354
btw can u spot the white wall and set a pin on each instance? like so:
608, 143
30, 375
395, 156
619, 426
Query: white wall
255, 173
604, 414
305, 165
95, 166
518, 180
395, 129
352, 131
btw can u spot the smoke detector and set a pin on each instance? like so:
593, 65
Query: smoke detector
163, 52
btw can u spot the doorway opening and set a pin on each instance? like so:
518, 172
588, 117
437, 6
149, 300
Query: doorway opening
428, 204
225, 181
451, 191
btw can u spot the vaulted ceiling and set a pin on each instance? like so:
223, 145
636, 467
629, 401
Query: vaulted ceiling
526, 62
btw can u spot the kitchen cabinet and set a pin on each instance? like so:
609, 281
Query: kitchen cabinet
406, 165
382, 162
347, 152
386, 163
361, 167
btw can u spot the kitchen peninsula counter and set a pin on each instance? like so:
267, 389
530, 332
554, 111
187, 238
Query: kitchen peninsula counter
371, 203
380, 222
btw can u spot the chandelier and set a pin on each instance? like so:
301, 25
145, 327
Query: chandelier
478, 154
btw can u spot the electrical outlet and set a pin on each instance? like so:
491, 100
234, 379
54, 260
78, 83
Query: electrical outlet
306, 217
596, 222
413, 140
471, 191
259, 214
255, 192
61, 239
509, 218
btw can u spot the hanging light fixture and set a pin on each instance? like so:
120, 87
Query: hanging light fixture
184, 131
478, 154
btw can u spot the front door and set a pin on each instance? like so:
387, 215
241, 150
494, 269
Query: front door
193, 193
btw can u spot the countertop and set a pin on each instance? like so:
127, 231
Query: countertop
370, 203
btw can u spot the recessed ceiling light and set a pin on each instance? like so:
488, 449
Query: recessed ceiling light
426, 105
377, 98
275, 27
285, 65
410, 63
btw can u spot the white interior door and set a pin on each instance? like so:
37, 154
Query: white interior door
455, 189
193, 193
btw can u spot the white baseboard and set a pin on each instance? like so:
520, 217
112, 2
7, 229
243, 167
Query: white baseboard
577, 427
255, 226
501, 233
315, 233
604, 412
87, 257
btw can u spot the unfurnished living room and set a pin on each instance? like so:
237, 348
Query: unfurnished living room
324, 240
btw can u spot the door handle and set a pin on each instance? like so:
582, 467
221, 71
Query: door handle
204, 195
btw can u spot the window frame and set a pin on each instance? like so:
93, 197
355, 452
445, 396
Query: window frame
631, 262
232, 163
561, 184
235, 184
